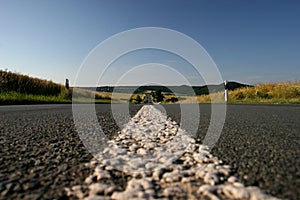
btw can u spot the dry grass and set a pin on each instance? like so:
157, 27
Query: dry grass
88, 94
23, 84
16, 88
287, 92
120, 97
215, 98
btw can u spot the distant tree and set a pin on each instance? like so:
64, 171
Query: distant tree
135, 99
131, 100
172, 99
138, 99
157, 95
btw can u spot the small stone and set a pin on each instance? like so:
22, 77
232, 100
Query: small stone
90, 179
102, 175
150, 192
150, 165
37, 162
133, 185
185, 180
133, 147
224, 171
109, 168
233, 192
172, 177
147, 184
206, 188
203, 148
69, 192
237, 184
136, 163
96, 197
109, 190
77, 191
141, 151
172, 191
157, 173
232, 179
149, 145
198, 157
201, 174
211, 179
63, 167
138, 174
256, 194
122, 195
9, 187
94, 162
97, 188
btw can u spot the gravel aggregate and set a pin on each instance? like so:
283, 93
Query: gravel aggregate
166, 163
41, 153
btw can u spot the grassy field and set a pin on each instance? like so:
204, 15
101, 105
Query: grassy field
270, 93
9, 98
21, 89
23, 84
16, 88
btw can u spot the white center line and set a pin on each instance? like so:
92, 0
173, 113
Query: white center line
153, 158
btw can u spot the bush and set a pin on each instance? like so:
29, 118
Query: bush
157, 96
172, 99
136, 99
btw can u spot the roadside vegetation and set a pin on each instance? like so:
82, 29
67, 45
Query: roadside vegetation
16, 88
270, 93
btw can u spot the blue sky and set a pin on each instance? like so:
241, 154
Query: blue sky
250, 41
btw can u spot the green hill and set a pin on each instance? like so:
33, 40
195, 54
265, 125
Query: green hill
181, 90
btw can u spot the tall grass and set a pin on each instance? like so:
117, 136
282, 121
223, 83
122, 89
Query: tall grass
8, 98
16, 88
88, 96
287, 92
23, 84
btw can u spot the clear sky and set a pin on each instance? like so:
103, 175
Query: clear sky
250, 41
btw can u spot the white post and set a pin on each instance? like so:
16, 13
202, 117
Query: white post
226, 90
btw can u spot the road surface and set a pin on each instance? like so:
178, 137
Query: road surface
41, 153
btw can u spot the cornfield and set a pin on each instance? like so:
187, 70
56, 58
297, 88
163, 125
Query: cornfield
14, 82
286, 92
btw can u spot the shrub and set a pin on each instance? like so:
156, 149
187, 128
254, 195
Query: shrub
172, 99
157, 96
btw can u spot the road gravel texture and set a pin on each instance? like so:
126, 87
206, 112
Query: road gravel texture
41, 153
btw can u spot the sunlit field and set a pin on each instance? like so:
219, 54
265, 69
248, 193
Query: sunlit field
17, 89
273, 93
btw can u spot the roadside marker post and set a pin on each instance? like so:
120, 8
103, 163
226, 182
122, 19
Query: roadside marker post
226, 90
67, 86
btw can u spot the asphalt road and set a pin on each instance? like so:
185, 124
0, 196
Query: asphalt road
41, 153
